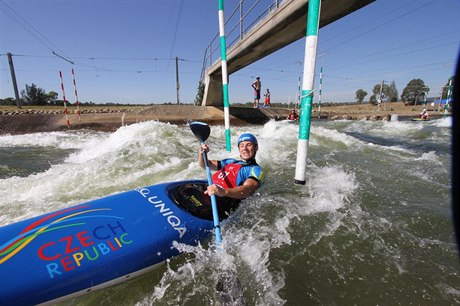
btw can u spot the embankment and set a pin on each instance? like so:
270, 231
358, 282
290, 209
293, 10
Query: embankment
30, 121
20, 121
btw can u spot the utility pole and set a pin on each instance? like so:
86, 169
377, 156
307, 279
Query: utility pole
177, 79
13, 77
380, 95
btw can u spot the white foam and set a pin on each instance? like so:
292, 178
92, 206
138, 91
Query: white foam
330, 189
443, 122
124, 137
336, 136
61, 140
107, 163
430, 156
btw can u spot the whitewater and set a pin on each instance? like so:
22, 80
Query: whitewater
372, 225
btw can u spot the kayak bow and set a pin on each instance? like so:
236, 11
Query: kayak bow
100, 243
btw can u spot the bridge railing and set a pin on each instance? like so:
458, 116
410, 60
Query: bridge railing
243, 17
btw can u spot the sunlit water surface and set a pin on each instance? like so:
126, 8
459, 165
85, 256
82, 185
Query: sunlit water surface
372, 225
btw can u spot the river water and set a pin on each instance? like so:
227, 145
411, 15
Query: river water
372, 225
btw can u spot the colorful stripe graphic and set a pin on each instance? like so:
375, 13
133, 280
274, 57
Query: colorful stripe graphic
26, 236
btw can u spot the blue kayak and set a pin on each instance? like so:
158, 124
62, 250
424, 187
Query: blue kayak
100, 243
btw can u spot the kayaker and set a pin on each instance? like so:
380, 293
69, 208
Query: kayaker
424, 114
237, 179
292, 115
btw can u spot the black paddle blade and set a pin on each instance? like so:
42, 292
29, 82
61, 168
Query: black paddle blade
201, 130
229, 291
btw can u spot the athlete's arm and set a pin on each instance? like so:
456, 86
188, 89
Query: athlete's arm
212, 162
239, 192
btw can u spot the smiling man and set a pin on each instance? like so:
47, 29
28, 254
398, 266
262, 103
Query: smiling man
237, 179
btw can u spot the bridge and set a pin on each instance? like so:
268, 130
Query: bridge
271, 27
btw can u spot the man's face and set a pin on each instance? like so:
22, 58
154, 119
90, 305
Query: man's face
247, 150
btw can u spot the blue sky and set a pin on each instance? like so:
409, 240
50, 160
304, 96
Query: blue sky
123, 50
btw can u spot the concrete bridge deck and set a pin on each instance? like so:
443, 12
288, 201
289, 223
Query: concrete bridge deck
281, 27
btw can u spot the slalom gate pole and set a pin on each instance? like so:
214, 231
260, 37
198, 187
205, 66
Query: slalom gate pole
314, 8
76, 95
65, 101
320, 88
223, 55
298, 92
448, 98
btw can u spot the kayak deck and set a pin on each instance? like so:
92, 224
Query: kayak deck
99, 243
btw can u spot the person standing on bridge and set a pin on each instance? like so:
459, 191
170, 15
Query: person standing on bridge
267, 99
257, 85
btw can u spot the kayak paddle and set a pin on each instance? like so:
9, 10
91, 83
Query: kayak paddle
228, 285
201, 131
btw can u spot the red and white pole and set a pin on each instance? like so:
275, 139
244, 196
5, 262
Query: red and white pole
65, 101
76, 95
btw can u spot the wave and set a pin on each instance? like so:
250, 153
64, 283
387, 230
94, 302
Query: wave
443, 122
59, 140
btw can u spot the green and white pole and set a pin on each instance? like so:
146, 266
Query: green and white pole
320, 89
448, 98
298, 93
314, 8
223, 55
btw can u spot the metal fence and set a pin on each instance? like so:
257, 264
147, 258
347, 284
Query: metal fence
243, 17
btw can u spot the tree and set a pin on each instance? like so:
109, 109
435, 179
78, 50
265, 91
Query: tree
200, 93
360, 94
8, 101
389, 92
393, 92
376, 92
52, 97
34, 95
413, 92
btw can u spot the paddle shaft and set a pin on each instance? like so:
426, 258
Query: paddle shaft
215, 215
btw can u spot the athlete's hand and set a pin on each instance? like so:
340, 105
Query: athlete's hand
216, 190
204, 147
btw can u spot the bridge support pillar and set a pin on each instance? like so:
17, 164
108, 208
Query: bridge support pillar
212, 90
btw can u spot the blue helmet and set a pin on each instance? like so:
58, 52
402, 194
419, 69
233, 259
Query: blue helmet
247, 137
